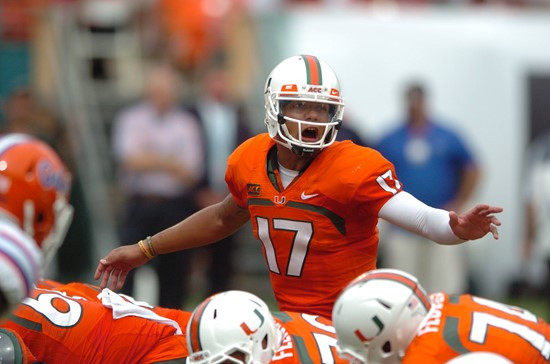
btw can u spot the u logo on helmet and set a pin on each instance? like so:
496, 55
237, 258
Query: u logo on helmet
247, 329
362, 337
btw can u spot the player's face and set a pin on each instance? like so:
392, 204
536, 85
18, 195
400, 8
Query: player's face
308, 111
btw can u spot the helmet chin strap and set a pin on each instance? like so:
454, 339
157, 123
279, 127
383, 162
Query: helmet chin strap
301, 151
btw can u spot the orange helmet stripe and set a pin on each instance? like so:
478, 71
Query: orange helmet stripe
424, 299
313, 70
194, 338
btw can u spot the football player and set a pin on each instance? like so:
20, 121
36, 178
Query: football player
80, 323
385, 316
314, 203
237, 327
34, 213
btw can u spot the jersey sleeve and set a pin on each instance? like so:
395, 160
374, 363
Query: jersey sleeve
238, 166
378, 185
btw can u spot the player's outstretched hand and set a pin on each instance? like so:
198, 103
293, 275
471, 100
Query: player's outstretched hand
116, 265
476, 222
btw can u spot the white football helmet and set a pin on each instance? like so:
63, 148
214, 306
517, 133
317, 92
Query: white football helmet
377, 316
303, 78
232, 326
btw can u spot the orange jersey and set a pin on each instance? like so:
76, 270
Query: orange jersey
90, 292
320, 232
306, 339
462, 324
58, 327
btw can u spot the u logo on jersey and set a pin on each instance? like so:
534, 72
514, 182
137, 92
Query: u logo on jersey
280, 200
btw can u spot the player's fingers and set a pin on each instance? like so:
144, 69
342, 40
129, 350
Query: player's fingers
106, 275
480, 208
122, 279
99, 270
494, 231
114, 279
495, 221
485, 210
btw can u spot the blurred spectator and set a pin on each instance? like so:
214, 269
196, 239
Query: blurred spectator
226, 125
160, 161
16, 18
434, 165
536, 252
191, 33
193, 29
23, 114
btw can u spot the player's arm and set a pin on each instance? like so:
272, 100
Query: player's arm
439, 225
206, 226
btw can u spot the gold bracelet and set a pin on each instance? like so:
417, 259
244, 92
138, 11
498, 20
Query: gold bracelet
144, 250
149, 241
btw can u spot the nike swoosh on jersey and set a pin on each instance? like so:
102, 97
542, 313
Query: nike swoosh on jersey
307, 197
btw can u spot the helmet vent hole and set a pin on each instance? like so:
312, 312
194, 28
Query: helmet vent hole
215, 314
40, 217
387, 347
385, 304
264, 342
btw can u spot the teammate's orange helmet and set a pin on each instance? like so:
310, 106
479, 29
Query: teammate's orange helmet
34, 190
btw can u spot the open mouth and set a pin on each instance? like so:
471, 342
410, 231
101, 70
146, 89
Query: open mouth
310, 134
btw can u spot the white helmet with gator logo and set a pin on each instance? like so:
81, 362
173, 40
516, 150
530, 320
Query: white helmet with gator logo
377, 316
232, 327
303, 78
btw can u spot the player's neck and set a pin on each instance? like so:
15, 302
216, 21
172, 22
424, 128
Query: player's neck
291, 160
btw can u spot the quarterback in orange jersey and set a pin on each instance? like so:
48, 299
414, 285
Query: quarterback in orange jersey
385, 316
314, 203
237, 327
71, 324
